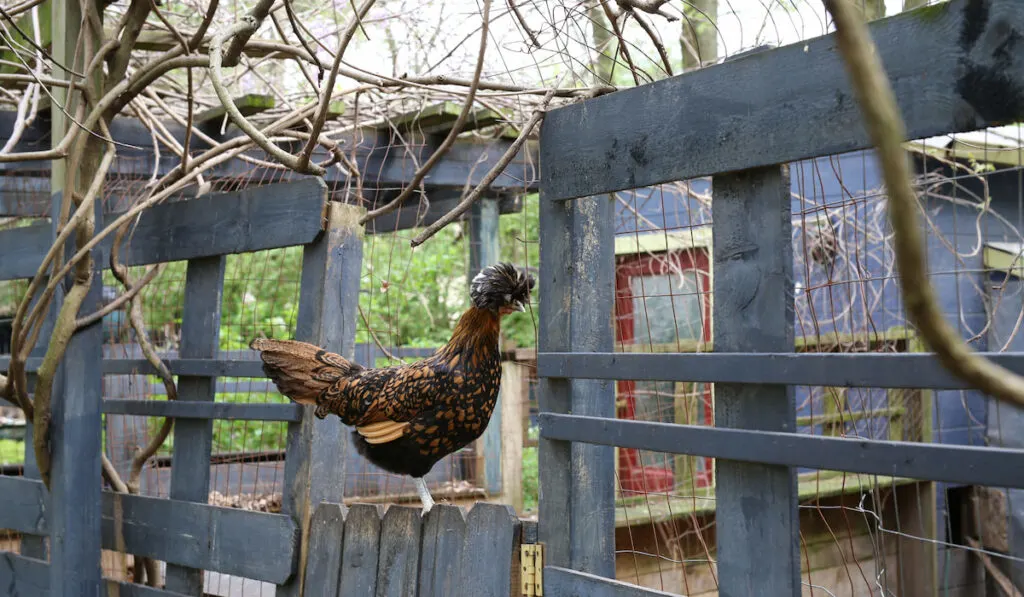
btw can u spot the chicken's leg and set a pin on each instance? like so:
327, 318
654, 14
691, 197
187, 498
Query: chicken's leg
421, 488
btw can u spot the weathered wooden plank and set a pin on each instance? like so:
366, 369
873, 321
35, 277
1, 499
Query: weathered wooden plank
23, 576
563, 582
193, 438
328, 311
756, 505
399, 557
592, 509
205, 410
444, 533
23, 250
221, 224
239, 542
360, 550
248, 104
967, 465
492, 531
326, 539
726, 117
194, 367
76, 433
554, 305
484, 250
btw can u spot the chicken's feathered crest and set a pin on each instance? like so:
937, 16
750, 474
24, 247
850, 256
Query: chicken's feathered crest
501, 285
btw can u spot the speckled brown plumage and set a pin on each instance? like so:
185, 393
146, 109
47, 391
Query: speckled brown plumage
408, 417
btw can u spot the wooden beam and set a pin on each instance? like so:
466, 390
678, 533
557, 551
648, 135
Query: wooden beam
239, 542
222, 224
718, 119
436, 119
212, 120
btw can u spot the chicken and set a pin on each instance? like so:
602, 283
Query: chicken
407, 417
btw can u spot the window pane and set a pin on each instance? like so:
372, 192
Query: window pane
656, 299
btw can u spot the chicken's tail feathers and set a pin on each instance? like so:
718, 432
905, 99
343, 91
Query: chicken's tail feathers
301, 371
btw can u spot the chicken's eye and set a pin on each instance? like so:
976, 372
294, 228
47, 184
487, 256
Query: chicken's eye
508, 298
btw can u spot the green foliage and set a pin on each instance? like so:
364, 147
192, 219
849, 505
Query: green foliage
530, 474
12, 451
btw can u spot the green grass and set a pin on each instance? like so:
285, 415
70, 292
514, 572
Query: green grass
530, 474
12, 451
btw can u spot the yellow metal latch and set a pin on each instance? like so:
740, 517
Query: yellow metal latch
531, 558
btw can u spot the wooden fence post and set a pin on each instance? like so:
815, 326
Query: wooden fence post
193, 438
484, 250
328, 306
513, 379
756, 505
577, 483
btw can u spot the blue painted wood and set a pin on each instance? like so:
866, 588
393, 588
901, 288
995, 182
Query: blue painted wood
193, 438
328, 310
554, 457
563, 582
221, 224
484, 250
326, 536
492, 533
864, 370
398, 563
441, 551
75, 446
721, 118
592, 513
233, 541
755, 505
26, 576
207, 410
360, 550
969, 465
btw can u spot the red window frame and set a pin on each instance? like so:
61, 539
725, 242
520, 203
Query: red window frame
634, 476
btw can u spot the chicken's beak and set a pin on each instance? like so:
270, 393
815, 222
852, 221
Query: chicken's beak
520, 307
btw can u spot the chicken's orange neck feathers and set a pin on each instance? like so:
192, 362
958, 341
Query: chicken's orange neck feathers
477, 329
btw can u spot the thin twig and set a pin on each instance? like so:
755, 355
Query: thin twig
325, 96
151, 273
498, 168
887, 131
249, 24
522, 23
449, 140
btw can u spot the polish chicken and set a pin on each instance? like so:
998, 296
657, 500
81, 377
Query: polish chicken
407, 417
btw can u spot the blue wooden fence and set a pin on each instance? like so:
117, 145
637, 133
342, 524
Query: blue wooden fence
740, 123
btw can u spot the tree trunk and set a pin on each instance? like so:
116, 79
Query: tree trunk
699, 34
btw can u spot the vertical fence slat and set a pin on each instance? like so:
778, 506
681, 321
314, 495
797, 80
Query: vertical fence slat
492, 531
193, 438
328, 306
553, 456
75, 444
593, 467
756, 505
399, 552
360, 549
484, 250
326, 536
444, 533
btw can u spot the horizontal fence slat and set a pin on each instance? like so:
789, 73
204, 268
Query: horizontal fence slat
221, 224
238, 542
864, 370
21, 575
204, 410
969, 465
726, 117
563, 582
193, 367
